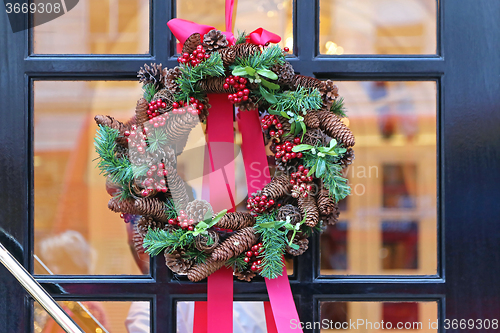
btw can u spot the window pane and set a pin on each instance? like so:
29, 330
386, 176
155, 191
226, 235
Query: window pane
377, 27
75, 232
378, 316
390, 219
275, 16
96, 27
98, 317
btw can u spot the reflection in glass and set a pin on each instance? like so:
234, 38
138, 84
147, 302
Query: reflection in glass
75, 232
378, 316
96, 27
98, 317
392, 210
275, 16
377, 27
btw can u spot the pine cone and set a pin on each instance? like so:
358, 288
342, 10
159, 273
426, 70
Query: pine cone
152, 207
151, 75
247, 275
332, 218
215, 85
289, 210
203, 270
179, 125
305, 81
303, 245
126, 206
120, 150
278, 187
285, 73
181, 144
197, 210
214, 40
110, 122
333, 126
329, 92
138, 240
170, 80
177, 261
348, 158
309, 208
191, 43
236, 244
245, 50
236, 221
177, 188
325, 203
147, 222
141, 111
228, 56
201, 241
248, 105
311, 120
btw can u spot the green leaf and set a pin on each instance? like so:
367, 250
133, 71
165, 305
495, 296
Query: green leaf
294, 246
250, 71
267, 95
292, 128
311, 171
303, 129
269, 85
239, 71
284, 115
301, 147
208, 215
267, 73
201, 225
217, 218
320, 170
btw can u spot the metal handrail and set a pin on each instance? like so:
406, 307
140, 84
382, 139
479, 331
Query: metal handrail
37, 292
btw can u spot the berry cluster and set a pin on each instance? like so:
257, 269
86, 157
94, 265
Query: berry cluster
158, 121
300, 181
182, 221
259, 204
194, 106
272, 123
284, 151
155, 180
136, 139
239, 83
154, 106
195, 58
251, 257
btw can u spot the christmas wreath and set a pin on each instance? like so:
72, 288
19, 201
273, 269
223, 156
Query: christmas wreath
301, 118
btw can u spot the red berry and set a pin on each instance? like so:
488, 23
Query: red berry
286, 49
247, 259
272, 133
245, 98
256, 253
271, 202
231, 81
225, 86
241, 86
296, 140
253, 268
249, 254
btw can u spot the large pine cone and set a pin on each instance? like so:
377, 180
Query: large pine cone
152, 207
141, 111
151, 75
245, 50
285, 73
177, 188
289, 210
203, 270
126, 206
236, 244
348, 158
170, 80
329, 92
333, 126
309, 208
236, 221
215, 85
147, 222
247, 275
302, 243
333, 217
278, 187
325, 203
311, 120
110, 122
201, 241
228, 56
138, 240
197, 210
248, 105
191, 43
177, 261
214, 40
305, 81
179, 125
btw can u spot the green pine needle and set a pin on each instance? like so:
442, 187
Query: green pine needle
238, 263
155, 240
338, 108
198, 256
274, 242
266, 59
241, 37
298, 101
157, 139
149, 91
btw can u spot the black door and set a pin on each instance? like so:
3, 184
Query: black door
418, 239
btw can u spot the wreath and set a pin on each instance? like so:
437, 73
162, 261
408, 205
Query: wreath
301, 119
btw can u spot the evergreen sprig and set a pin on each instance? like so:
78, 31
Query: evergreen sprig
297, 101
237, 263
338, 108
213, 66
269, 57
242, 37
155, 240
119, 169
157, 139
149, 91
274, 242
198, 256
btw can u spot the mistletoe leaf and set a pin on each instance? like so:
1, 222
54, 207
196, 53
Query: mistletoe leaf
294, 246
239, 71
267, 73
301, 147
268, 96
270, 85
250, 71
320, 170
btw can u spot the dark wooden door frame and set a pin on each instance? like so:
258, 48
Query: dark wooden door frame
467, 71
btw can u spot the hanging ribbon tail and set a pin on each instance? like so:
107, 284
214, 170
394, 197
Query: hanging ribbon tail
229, 15
182, 29
262, 36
